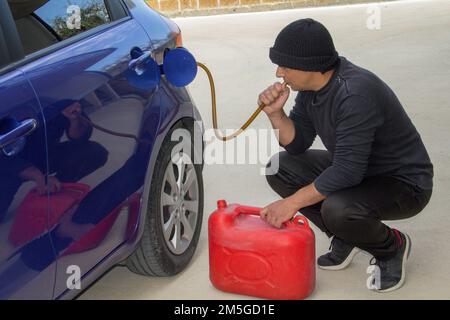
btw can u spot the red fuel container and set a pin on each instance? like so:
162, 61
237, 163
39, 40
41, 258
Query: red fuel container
248, 256
37, 214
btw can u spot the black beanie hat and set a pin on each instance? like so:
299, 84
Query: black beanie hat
304, 45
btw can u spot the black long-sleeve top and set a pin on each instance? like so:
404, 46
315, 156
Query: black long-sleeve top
363, 125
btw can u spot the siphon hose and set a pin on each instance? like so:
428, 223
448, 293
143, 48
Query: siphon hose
217, 132
113, 133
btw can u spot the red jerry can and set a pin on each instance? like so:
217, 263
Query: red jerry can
34, 217
94, 237
248, 256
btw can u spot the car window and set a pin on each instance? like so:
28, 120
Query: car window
43, 23
71, 17
4, 54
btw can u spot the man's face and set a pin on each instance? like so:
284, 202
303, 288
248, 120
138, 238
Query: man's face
296, 79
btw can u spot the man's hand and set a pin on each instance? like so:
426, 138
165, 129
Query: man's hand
34, 174
72, 111
53, 185
279, 212
274, 97
282, 210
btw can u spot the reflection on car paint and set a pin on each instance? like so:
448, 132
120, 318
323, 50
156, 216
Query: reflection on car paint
95, 179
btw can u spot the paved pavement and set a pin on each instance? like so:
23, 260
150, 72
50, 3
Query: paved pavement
411, 52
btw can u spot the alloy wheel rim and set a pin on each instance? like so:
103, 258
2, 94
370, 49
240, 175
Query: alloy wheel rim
179, 203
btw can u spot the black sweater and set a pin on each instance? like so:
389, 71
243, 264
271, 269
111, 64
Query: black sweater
365, 128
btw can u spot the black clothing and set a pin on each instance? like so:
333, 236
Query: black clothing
364, 127
352, 214
305, 45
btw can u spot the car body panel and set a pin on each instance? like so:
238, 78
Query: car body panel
24, 271
113, 173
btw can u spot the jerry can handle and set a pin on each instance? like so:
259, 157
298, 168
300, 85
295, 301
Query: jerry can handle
238, 210
298, 221
223, 205
81, 188
75, 186
248, 210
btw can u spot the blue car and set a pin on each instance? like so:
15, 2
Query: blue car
91, 170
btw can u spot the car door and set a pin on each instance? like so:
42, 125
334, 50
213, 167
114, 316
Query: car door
27, 259
93, 118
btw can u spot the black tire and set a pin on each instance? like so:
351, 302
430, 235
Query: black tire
153, 257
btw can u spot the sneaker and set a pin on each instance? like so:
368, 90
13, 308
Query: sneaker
340, 256
391, 274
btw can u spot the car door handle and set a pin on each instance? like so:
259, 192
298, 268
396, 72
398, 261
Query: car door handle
20, 129
140, 60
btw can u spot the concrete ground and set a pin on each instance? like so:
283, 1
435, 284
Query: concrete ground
411, 52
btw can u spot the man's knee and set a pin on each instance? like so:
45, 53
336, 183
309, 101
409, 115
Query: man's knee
273, 174
81, 160
98, 155
285, 175
276, 184
273, 166
294, 170
341, 214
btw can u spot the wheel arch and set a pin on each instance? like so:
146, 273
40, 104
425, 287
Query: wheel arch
187, 114
182, 121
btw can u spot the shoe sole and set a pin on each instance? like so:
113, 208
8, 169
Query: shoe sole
345, 263
405, 257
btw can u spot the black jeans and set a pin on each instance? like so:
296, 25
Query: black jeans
354, 214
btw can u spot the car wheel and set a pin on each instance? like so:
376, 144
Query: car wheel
174, 214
